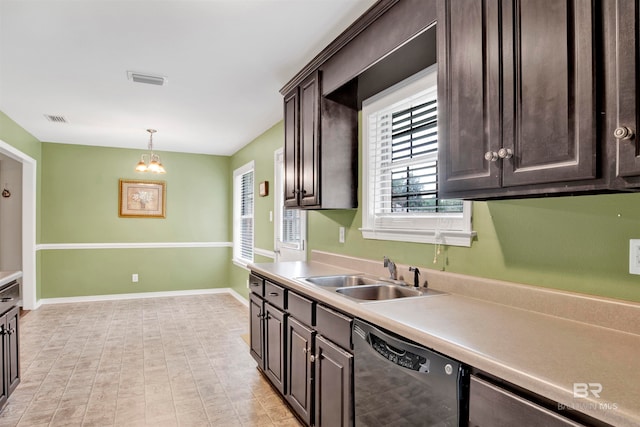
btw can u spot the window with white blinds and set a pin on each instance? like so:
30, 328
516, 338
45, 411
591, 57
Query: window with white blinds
243, 214
400, 167
291, 225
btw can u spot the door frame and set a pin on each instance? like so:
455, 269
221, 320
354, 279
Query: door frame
29, 188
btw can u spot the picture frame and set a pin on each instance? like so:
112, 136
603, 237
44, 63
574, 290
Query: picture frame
142, 199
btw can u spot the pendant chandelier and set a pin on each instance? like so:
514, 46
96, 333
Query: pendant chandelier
150, 162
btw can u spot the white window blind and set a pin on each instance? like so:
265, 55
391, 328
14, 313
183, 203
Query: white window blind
404, 147
243, 214
400, 168
290, 232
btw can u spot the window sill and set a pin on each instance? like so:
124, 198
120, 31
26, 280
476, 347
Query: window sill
450, 238
241, 263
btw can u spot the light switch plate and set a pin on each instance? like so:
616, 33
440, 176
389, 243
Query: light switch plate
634, 256
341, 235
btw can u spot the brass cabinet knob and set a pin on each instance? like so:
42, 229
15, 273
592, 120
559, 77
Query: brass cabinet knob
623, 132
505, 153
491, 156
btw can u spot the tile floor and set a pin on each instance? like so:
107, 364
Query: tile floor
177, 361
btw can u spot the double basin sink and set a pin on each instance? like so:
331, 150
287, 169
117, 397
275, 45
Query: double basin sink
365, 288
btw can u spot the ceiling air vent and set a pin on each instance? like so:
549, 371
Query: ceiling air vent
146, 78
55, 119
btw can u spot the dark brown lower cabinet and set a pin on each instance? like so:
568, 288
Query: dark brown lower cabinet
300, 340
10, 367
490, 405
274, 345
333, 385
256, 328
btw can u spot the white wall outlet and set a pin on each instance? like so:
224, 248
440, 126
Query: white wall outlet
634, 256
270, 216
134, 277
247, 283
341, 235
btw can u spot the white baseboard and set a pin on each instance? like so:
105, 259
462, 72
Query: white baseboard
113, 297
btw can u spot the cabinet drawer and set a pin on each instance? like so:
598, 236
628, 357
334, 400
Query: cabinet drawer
334, 326
256, 284
301, 308
275, 294
490, 405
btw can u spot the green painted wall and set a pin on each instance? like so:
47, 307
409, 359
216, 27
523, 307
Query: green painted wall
261, 150
14, 135
80, 205
577, 244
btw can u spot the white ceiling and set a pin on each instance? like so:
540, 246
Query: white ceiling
225, 61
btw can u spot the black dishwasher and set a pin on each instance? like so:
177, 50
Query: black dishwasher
400, 383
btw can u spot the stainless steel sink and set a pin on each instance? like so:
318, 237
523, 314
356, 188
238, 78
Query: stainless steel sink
341, 281
379, 291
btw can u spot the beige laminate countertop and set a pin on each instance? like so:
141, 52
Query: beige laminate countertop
541, 353
9, 276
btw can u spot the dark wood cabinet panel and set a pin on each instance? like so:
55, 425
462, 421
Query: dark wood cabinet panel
399, 24
9, 353
321, 149
13, 352
333, 385
275, 335
469, 94
300, 349
626, 115
312, 372
549, 105
256, 329
490, 405
517, 92
291, 147
309, 140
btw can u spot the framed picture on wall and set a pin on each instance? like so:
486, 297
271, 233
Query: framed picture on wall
142, 199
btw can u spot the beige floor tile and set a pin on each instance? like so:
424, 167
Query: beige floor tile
156, 362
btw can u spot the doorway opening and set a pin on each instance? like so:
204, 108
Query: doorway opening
19, 172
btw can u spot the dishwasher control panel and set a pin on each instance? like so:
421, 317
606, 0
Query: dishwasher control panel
399, 357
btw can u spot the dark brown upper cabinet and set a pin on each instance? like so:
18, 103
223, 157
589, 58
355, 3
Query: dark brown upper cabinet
623, 16
320, 149
517, 96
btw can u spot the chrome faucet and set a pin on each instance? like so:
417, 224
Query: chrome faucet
393, 272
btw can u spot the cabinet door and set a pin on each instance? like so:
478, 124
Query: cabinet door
299, 368
469, 116
333, 385
548, 91
12, 353
274, 332
310, 140
493, 406
4, 370
291, 145
627, 113
256, 328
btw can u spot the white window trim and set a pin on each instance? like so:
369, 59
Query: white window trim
249, 167
446, 229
